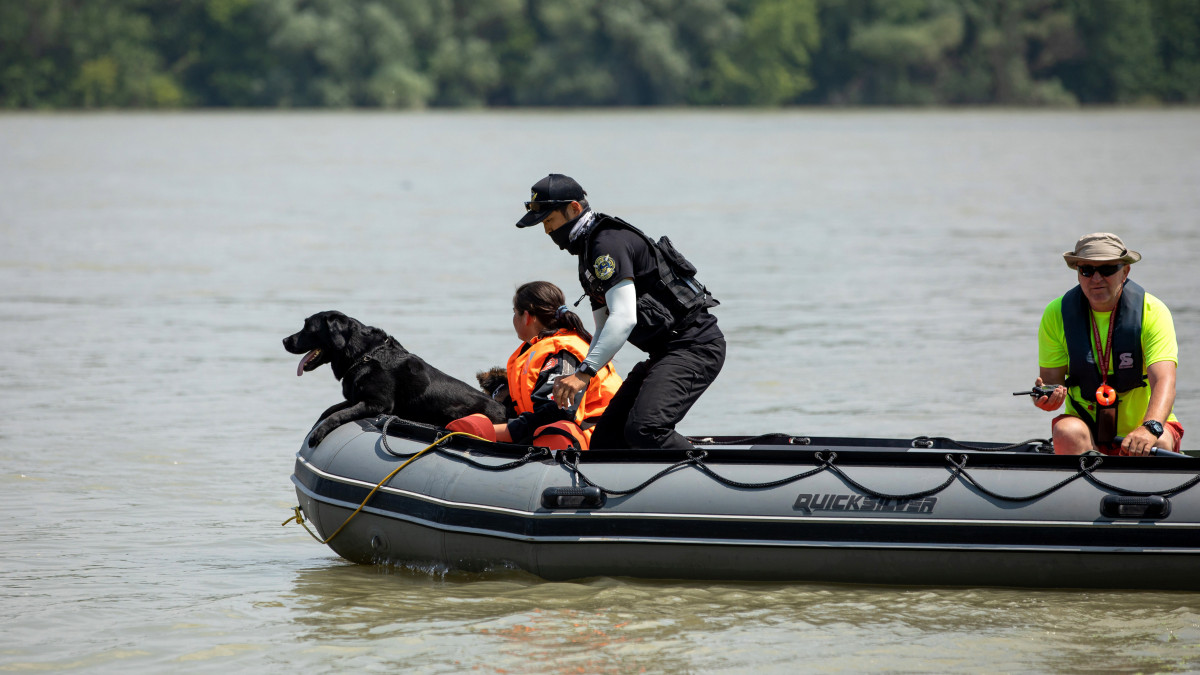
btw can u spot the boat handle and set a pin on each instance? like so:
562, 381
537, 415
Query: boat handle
573, 498
1151, 507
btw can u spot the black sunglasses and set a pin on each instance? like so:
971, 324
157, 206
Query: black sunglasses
1104, 270
551, 205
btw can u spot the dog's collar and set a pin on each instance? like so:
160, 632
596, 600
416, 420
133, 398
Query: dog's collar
366, 358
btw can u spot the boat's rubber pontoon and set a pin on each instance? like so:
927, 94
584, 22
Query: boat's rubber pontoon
926, 511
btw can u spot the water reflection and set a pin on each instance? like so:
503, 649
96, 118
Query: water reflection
623, 625
520, 623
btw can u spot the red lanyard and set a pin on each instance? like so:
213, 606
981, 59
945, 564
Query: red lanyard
1105, 395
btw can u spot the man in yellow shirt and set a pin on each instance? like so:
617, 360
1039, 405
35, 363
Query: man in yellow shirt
1110, 320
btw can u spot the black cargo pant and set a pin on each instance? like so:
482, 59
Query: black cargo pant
656, 395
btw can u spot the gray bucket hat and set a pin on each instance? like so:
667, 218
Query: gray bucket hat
1100, 247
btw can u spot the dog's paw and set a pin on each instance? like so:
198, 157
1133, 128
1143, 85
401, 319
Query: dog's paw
317, 435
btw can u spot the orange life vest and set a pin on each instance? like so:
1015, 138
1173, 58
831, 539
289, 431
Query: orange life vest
525, 365
562, 435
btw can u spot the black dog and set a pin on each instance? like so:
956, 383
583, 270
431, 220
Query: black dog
380, 376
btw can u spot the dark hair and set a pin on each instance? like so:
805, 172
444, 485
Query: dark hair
582, 203
546, 302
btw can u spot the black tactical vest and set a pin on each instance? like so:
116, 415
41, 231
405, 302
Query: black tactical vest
666, 303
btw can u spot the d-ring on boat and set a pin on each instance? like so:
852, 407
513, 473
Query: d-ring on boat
926, 511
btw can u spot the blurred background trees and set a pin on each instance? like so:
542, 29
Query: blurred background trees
477, 53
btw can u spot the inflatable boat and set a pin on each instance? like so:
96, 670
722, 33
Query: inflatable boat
923, 511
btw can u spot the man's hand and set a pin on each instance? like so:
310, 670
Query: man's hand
568, 387
1138, 442
1053, 401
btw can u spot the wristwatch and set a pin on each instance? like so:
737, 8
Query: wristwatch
1154, 427
588, 370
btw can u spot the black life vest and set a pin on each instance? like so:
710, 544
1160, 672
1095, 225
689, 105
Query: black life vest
1127, 356
668, 303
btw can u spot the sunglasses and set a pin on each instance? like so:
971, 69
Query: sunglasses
549, 205
1104, 270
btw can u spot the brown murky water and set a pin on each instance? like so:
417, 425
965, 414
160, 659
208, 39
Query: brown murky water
881, 274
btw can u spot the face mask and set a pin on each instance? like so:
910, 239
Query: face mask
562, 236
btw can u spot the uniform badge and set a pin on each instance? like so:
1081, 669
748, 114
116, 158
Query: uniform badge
605, 267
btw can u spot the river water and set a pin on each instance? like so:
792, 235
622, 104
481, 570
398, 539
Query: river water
881, 274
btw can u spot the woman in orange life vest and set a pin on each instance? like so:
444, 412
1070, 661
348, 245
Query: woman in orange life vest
553, 343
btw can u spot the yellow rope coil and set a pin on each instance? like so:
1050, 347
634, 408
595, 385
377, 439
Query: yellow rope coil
299, 517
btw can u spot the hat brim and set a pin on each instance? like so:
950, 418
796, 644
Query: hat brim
1074, 261
532, 218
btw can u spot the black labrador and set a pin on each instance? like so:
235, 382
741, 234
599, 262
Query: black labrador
379, 376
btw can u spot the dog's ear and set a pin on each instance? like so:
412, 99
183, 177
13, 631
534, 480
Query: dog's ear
337, 329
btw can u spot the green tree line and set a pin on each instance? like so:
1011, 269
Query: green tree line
477, 53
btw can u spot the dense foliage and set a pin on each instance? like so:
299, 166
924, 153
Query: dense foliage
415, 53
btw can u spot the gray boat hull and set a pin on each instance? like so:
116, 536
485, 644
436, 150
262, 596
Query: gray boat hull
963, 522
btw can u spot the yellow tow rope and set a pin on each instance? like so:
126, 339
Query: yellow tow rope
299, 516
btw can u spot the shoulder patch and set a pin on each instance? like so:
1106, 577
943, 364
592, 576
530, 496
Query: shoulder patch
605, 267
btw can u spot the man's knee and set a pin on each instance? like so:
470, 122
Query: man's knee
1072, 436
639, 434
652, 435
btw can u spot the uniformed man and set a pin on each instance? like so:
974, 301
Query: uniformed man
642, 292
1109, 320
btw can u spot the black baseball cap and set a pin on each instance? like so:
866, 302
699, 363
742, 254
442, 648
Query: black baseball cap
548, 195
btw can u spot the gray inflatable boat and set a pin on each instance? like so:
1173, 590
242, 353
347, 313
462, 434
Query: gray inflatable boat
926, 511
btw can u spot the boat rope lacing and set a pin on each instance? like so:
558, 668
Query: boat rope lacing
1043, 445
956, 465
1136, 493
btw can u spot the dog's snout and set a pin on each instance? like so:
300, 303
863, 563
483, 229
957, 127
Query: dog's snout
291, 343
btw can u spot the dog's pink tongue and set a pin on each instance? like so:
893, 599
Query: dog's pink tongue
304, 361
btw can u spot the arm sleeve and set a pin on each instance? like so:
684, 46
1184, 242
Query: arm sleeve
600, 316
1158, 333
544, 409
1052, 340
622, 317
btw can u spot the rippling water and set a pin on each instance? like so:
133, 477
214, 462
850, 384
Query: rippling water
881, 274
